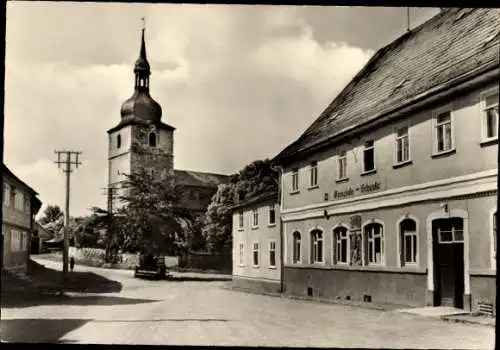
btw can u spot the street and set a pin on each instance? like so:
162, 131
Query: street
203, 313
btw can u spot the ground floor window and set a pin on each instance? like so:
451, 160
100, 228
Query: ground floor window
272, 254
494, 235
242, 254
373, 234
341, 245
316, 246
255, 254
409, 246
296, 247
15, 240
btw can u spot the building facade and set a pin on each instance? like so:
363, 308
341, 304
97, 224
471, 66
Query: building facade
390, 195
257, 244
141, 140
19, 207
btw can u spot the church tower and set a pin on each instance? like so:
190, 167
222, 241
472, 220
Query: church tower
141, 139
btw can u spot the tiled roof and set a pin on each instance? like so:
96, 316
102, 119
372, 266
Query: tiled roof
258, 199
200, 179
452, 44
8, 172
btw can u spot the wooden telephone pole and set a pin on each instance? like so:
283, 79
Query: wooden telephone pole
68, 161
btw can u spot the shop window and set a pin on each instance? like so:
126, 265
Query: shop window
316, 246
296, 247
374, 237
341, 245
409, 241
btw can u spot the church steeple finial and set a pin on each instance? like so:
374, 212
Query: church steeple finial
142, 69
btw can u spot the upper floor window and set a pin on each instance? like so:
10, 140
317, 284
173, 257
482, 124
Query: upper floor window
118, 141
255, 254
272, 254
313, 181
295, 180
490, 116
443, 140
26, 204
152, 139
341, 245
296, 258
255, 214
402, 146
409, 239
373, 234
316, 246
18, 200
494, 240
242, 254
272, 215
342, 165
369, 156
240, 220
6, 195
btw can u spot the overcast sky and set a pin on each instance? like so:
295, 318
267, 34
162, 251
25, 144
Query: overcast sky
238, 82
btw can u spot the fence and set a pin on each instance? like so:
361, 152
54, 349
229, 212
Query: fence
207, 261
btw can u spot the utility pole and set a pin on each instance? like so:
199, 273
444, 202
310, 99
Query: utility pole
68, 161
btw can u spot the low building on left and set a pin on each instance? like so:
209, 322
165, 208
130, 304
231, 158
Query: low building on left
20, 204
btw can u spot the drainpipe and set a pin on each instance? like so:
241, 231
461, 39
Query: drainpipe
282, 249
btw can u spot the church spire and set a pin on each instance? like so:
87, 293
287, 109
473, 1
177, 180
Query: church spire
142, 70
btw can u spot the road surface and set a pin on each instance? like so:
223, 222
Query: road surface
203, 313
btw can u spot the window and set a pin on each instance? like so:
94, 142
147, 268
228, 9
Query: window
490, 116
255, 214
342, 165
26, 204
369, 156
240, 220
272, 215
152, 139
242, 254
18, 200
450, 230
256, 254
443, 138
316, 246
25, 241
296, 247
6, 195
494, 235
314, 174
409, 247
341, 246
118, 141
374, 243
15, 240
402, 145
295, 180
272, 254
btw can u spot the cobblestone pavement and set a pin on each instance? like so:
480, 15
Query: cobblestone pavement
202, 313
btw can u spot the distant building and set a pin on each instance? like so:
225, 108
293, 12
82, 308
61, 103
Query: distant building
256, 240
141, 139
39, 236
19, 207
390, 195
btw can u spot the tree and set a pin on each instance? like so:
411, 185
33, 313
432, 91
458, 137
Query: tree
259, 177
53, 219
147, 221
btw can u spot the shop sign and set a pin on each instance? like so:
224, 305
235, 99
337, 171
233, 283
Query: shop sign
361, 189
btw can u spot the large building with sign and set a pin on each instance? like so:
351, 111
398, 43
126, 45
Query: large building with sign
390, 195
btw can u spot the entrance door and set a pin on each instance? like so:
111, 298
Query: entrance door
448, 254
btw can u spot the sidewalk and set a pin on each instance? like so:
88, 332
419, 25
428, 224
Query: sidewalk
472, 319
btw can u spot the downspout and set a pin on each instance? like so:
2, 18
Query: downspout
282, 248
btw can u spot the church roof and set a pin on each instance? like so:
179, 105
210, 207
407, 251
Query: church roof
456, 44
200, 179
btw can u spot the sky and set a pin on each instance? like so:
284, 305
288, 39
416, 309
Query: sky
238, 82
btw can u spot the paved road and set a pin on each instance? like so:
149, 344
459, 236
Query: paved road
202, 313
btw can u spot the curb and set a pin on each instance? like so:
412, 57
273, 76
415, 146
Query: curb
466, 321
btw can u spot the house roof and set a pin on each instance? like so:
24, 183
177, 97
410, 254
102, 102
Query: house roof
200, 179
262, 198
450, 45
6, 170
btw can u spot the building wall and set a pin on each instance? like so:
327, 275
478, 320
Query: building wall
246, 273
16, 245
467, 121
